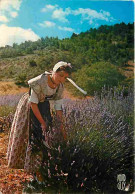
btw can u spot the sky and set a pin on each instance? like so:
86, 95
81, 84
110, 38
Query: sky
23, 20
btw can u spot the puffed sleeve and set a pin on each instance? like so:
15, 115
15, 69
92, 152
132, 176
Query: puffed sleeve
33, 97
58, 104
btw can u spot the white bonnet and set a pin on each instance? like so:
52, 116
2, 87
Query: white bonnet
60, 64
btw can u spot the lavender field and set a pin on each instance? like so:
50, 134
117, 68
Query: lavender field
99, 143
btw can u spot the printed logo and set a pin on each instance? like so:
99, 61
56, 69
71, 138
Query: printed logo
121, 179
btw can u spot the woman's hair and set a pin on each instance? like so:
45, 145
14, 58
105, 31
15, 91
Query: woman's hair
67, 68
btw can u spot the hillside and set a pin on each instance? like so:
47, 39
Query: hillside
106, 45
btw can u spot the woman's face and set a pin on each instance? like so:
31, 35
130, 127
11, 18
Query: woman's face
59, 77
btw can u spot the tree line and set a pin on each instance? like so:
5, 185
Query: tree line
108, 47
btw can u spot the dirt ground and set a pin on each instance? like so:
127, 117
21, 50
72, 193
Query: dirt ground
11, 180
9, 87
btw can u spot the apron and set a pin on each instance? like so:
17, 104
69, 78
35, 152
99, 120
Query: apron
37, 150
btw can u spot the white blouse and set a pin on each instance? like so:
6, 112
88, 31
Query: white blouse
57, 103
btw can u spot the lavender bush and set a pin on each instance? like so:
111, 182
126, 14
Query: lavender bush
8, 105
98, 148
9, 100
99, 145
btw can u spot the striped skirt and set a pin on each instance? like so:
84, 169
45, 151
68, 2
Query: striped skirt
26, 149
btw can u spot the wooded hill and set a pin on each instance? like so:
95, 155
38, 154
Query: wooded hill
99, 57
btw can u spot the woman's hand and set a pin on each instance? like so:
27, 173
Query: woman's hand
43, 126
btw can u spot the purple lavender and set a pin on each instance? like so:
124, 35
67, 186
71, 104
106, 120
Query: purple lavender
99, 143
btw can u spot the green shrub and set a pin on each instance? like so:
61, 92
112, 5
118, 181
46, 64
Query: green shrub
93, 78
21, 79
32, 63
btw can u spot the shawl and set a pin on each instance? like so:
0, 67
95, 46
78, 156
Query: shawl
39, 85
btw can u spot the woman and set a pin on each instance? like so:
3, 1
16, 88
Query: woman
32, 120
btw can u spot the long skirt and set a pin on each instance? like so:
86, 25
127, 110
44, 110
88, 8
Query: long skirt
26, 149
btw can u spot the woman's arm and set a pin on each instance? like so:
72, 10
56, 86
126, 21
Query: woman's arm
59, 115
37, 113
